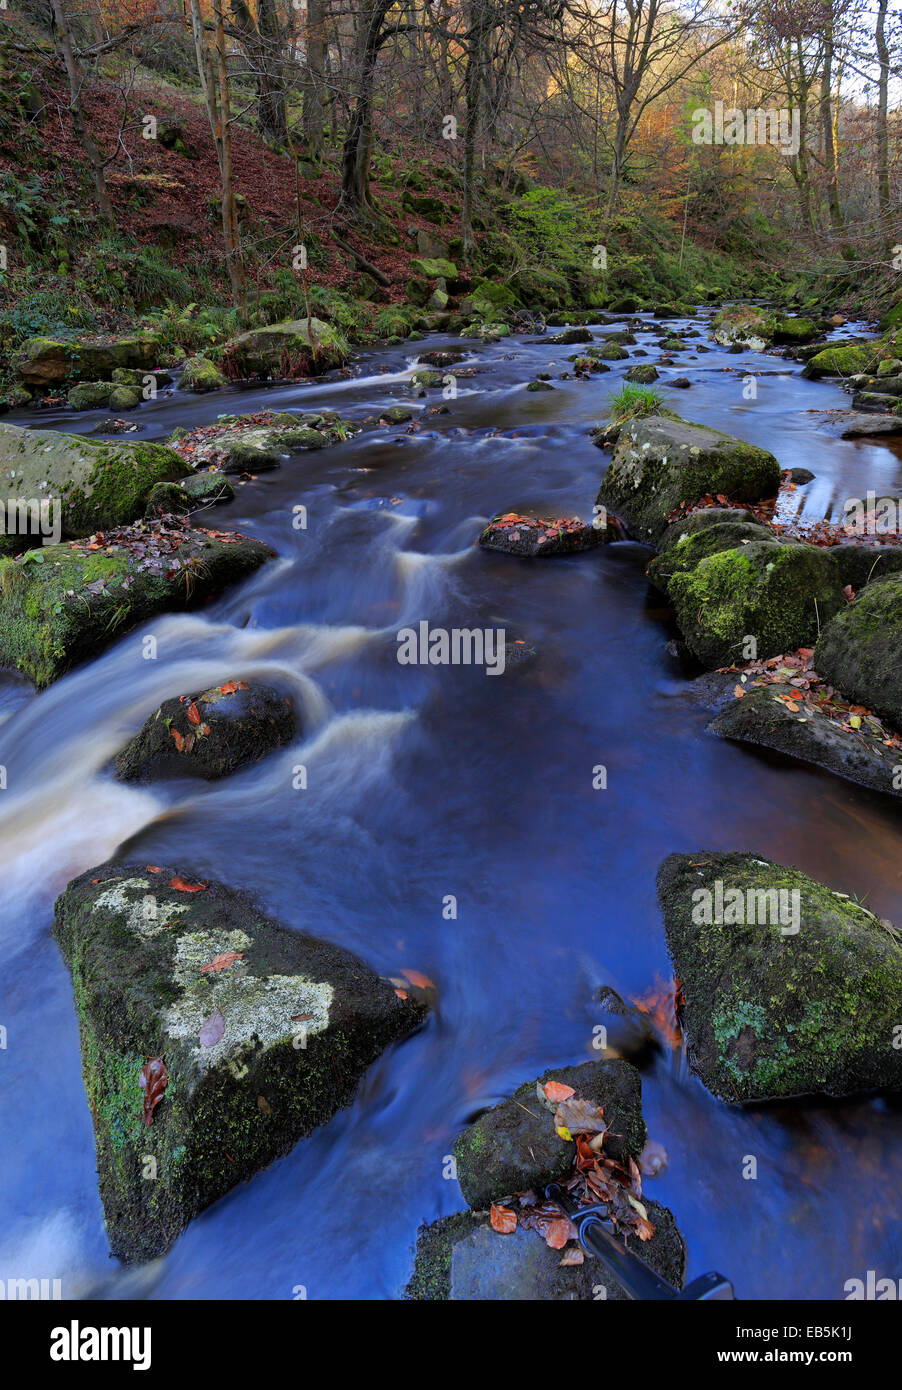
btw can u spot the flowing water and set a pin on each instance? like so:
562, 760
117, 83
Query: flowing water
430, 781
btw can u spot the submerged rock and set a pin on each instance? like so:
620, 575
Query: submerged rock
515, 1146
859, 651
63, 603
461, 1259
789, 988
209, 735
662, 461
763, 717
258, 1033
93, 484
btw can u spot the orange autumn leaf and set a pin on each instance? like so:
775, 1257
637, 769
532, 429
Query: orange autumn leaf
558, 1233
556, 1091
153, 868
401, 993
179, 740
182, 887
417, 980
231, 686
504, 1221
193, 713
221, 962
738, 692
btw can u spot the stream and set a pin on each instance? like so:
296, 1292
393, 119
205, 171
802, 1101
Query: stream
429, 781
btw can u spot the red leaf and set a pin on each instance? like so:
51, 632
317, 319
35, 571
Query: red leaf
193, 713
182, 887
153, 1082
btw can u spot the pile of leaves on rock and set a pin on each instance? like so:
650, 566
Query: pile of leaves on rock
595, 1178
796, 669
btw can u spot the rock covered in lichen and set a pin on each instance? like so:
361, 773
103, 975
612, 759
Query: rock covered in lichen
65, 602
661, 462
264, 1033
209, 735
788, 987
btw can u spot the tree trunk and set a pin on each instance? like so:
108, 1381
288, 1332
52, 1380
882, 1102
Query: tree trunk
354, 200
883, 197
314, 76
215, 88
262, 42
79, 126
830, 155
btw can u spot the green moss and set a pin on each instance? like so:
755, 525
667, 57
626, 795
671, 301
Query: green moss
773, 1013
777, 593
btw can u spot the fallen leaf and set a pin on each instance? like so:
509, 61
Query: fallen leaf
579, 1116
221, 962
181, 886
417, 980
557, 1091
153, 1081
193, 713
572, 1256
559, 1232
503, 1220
211, 1030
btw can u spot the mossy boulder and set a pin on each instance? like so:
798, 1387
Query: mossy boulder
434, 268
92, 484
63, 603
124, 398
294, 347
788, 996
208, 487
200, 375
644, 373
859, 651
573, 335
168, 499
700, 520
845, 359
461, 1259
662, 461
772, 716
209, 735
777, 593
90, 395
745, 325
795, 330
683, 557
515, 1146
47, 362
264, 1031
